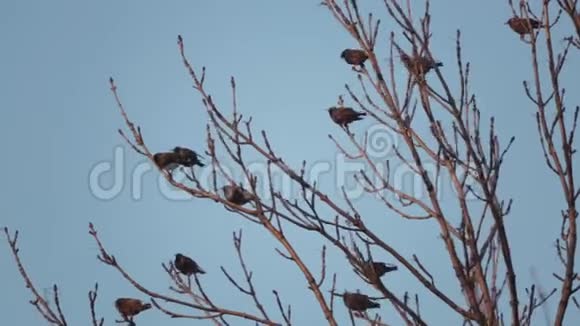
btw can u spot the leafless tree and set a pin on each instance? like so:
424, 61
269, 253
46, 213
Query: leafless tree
556, 127
461, 142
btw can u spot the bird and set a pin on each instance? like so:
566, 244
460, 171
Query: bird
419, 65
523, 26
129, 307
380, 268
343, 116
178, 156
358, 301
166, 161
354, 57
237, 195
187, 157
187, 265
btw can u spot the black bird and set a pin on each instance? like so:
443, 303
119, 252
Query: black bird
178, 156
129, 308
343, 116
523, 26
187, 157
354, 57
381, 268
237, 195
187, 265
358, 301
419, 65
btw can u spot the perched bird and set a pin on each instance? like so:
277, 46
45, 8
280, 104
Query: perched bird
178, 156
166, 161
187, 265
419, 65
381, 268
187, 157
343, 116
354, 57
358, 301
237, 195
129, 307
523, 26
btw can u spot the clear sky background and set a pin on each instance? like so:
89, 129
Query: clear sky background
59, 121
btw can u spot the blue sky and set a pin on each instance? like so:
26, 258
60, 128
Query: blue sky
59, 121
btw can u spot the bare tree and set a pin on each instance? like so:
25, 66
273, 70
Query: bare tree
556, 128
461, 143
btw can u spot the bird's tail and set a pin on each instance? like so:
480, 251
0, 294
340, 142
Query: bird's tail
146, 306
199, 158
391, 269
375, 305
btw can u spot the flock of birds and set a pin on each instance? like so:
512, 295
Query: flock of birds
417, 65
342, 116
354, 301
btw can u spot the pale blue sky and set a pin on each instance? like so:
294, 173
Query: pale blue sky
59, 120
